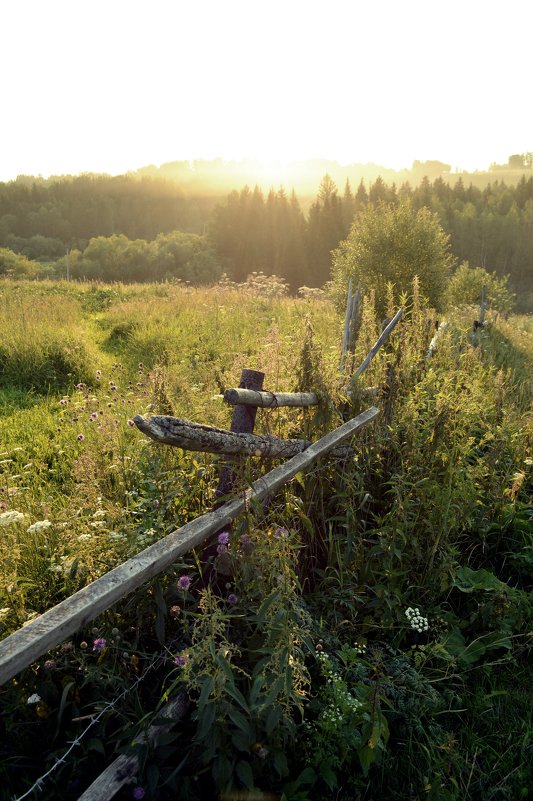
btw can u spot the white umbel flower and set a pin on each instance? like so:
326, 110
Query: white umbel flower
39, 525
10, 518
418, 622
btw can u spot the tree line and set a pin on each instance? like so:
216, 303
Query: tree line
490, 228
249, 230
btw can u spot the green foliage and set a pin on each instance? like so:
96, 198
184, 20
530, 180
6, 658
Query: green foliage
14, 265
366, 634
466, 284
393, 244
180, 256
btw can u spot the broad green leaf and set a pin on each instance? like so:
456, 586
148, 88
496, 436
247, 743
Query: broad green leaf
245, 774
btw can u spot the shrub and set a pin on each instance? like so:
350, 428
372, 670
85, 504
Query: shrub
466, 284
393, 244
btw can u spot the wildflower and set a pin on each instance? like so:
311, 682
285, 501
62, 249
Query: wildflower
80, 437
39, 525
80, 386
49, 664
99, 644
10, 517
131, 424
221, 549
246, 544
34, 699
416, 620
223, 538
174, 611
232, 598
184, 582
138, 793
181, 660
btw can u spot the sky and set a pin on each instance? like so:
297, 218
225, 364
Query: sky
114, 85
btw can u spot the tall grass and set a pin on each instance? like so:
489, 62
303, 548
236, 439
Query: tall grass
305, 677
43, 345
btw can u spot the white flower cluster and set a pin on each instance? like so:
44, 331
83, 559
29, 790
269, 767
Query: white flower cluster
10, 518
34, 699
332, 714
39, 525
359, 647
417, 621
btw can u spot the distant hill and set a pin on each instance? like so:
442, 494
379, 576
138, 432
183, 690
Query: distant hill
218, 177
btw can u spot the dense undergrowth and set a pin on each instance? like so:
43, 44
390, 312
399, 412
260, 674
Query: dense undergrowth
365, 635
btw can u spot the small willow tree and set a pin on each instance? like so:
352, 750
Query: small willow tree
393, 243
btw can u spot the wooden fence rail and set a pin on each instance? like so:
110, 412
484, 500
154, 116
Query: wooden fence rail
270, 400
24, 646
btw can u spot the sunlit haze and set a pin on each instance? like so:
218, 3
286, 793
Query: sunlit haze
110, 86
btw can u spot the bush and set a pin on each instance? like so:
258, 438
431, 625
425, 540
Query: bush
466, 284
16, 266
393, 244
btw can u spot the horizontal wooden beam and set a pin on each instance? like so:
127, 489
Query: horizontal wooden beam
53, 627
207, 439
269, 400
125, 767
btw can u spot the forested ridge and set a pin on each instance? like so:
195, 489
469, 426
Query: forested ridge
155, 229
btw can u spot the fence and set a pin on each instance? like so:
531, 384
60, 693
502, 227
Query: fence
24, 646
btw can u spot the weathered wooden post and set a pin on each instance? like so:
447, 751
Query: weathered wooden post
243, 422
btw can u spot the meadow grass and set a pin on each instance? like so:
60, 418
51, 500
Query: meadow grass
305, 676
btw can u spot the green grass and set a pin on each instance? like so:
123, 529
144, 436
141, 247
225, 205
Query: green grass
434, 511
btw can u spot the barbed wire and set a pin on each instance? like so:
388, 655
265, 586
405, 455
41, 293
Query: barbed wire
39, 783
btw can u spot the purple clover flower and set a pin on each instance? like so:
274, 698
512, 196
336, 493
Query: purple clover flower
138, 793
181, 660
99, 644
232, 598
281, 532
223, 538
221, 549
184, 582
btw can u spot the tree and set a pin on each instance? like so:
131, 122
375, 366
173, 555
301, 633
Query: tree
15, 265
516, 161
326, 228
466, 284
391, 244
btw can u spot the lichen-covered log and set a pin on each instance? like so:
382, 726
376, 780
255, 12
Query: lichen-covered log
270, 400
196, 437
